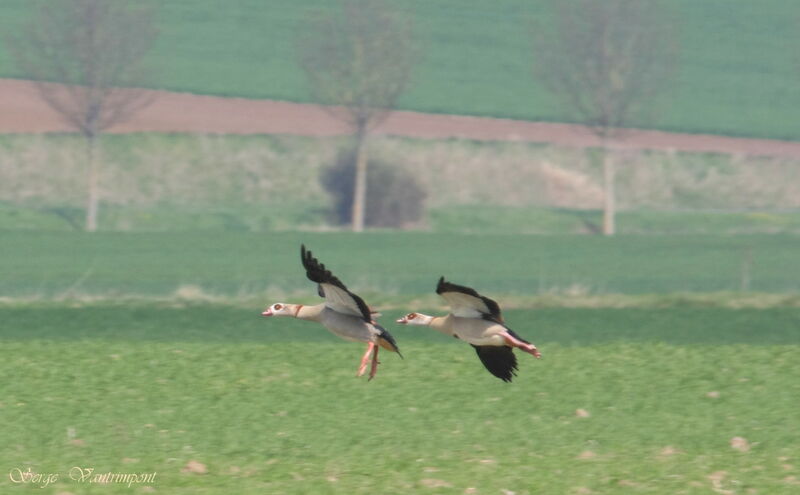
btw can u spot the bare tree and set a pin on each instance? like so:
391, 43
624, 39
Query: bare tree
358, 61
606, 60
85, 57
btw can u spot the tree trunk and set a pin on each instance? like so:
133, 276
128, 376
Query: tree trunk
94, 193
609, 200
360, 185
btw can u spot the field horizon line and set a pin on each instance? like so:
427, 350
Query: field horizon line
192, 295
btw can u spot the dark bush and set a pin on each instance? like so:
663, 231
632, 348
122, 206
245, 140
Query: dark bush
394, 197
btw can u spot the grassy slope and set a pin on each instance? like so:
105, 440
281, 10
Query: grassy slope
154, 182
735, 77
271, 406
42, 264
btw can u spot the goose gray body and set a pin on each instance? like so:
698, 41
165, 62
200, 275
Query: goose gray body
347, 326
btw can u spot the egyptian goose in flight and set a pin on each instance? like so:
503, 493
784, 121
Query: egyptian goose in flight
477, 320
343, 313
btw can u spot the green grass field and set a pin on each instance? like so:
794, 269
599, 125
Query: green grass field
272, 406
145, 352
636, 399
736, 74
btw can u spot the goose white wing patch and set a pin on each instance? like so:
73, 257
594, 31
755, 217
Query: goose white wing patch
336, 295
466, 302
464, 305
340, 300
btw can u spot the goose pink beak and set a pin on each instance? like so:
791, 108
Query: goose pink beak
402, 320
268, 312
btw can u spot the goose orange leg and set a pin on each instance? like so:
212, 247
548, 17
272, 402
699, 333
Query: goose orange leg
529, 348
374, 368
363, 367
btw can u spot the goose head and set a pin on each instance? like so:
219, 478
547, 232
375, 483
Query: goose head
415, 319
279, 309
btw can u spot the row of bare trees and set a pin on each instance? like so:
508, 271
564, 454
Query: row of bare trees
605, 60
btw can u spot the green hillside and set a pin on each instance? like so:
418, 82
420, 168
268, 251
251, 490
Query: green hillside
385, 266
737, 74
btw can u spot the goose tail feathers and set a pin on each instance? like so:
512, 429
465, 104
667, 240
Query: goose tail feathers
386, 340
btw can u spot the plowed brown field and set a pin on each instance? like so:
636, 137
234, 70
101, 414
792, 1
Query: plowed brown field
22, 111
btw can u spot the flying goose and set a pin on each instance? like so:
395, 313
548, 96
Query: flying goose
343, 313
477, 320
